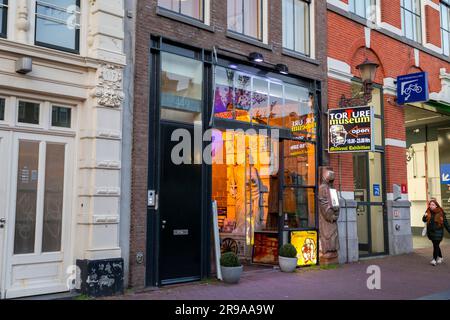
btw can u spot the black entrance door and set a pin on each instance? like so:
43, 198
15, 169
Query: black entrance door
180, 208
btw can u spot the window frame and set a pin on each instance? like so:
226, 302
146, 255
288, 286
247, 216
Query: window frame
72, 114
307, 32
41, 104
4, 26
352, 8
445, 5
202, 20
261, 24
418, 32
52, 46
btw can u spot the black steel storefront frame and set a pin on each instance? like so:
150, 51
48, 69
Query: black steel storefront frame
161, 44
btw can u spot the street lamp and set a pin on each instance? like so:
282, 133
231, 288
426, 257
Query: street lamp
367, 71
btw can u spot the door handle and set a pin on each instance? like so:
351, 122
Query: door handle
163, 224
2, 223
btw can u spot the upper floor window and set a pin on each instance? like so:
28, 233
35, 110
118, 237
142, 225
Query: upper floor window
296, 25
411, 24
246, 17
58, 24
3, 17
363, 8
445, 26
191, 8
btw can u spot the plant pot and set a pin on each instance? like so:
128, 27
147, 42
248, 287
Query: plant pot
232, 274
287, 264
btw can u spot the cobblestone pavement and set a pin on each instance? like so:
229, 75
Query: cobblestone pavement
402, 277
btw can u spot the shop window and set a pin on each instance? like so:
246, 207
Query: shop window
181, 89
61, 117
299, 181
246, 98
191, 8
445, 26
3, 18
411, 20
243, 184
363, 8
246, 17
296, 26
28, 112
2, 109
58, 24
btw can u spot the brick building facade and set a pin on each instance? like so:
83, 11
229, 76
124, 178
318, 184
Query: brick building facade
155, 22
379, 32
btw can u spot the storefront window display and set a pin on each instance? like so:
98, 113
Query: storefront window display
262, 183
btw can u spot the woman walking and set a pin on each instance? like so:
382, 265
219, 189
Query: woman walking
436, 221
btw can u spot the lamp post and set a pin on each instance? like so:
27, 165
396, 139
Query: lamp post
367, 71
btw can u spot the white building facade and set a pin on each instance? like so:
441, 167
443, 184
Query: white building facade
61, 70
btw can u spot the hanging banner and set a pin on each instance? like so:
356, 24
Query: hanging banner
306, 244
350, 130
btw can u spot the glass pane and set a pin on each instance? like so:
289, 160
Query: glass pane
253, 18
224, 94
173, 5
408, 4
376, 182
299, 111
362, 221
57, 23
360, 174
260, 101
288, 24
27, 184
3, 19
235, 15
377, 229
181, 88
61, 117
302, 27
53, 198
360, 9
299, 207
276, 105
28, 112
192, 8
376, 100
446, 43
245, 186
418, 31
444, 17
300, 163
2, 109
243, 94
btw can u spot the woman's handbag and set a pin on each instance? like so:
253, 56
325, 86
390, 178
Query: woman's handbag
424, 231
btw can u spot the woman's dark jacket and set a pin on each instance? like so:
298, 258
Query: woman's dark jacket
436, 221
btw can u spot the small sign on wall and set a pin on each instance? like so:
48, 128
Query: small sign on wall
412, 88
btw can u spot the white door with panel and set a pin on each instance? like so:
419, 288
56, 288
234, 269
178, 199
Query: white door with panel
39, 219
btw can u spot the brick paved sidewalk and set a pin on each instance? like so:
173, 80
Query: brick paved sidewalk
402, 277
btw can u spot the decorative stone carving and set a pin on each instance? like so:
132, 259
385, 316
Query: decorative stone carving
328, 216
444, 94
109, 88
22, 22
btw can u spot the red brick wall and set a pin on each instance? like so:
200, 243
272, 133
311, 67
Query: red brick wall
432, 28
391, 12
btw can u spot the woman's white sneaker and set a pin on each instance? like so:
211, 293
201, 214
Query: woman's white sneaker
433, 262
439, 260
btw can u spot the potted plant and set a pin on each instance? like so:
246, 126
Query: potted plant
288, 258
231, 267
